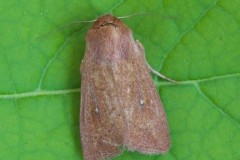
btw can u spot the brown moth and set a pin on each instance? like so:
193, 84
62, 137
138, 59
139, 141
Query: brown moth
120, 106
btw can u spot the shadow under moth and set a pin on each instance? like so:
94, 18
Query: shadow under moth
120, 107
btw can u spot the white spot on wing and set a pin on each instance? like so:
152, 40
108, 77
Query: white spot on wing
97, 110
128, 90
141, 102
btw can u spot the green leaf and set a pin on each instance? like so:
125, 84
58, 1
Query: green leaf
192, 41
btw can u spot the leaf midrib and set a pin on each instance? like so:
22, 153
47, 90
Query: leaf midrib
40, 92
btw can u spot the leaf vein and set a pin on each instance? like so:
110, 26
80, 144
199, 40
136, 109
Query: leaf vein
191, 26
53, 59
69, 91
39, 93
216, 106
186, 82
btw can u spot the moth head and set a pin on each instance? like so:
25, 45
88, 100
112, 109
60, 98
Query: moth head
107, 20
109, 39
108, 30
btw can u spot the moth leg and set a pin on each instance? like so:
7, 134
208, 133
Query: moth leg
150, 68
159, 74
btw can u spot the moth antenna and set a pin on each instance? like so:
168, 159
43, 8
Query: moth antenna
137, 14
160, 75
65, 26
78, 22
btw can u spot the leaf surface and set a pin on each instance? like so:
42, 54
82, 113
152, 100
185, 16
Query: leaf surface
192, 41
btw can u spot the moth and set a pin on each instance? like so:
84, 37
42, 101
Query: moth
120, 107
